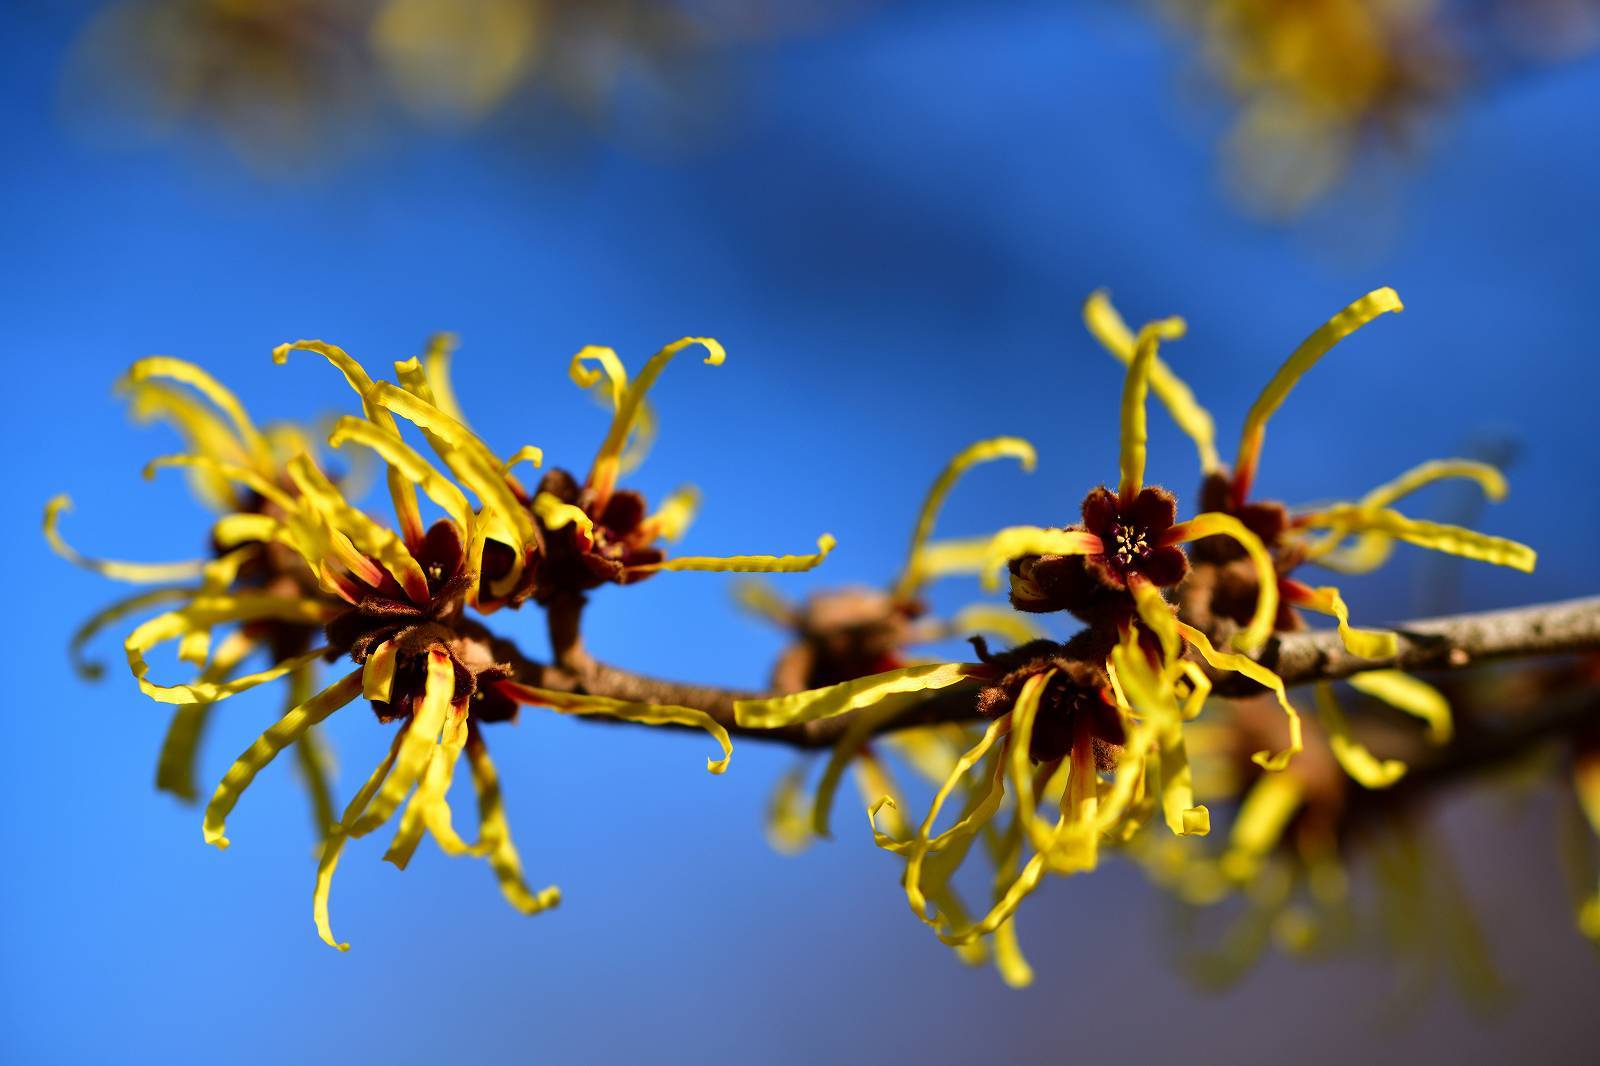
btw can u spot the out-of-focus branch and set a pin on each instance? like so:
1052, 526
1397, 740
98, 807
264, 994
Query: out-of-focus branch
1448, 643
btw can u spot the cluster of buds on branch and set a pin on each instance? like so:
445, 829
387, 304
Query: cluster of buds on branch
1055, 753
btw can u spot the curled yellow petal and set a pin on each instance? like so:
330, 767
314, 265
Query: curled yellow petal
1367, 643
416, 748
815, 704
203, 430
1008, 958
922, 843
111, 614
1015, 541
333, 847
1301, 360
526, 454
1371, 549
554, 514
1215, 523
180, 748
428, 808
1452, 540
609, 385
1366, 769
314, 761
1151, 694
1156, 613
401, 489
213, 611
845, 751
1263, 816
1016, 628
945, 558
1135, 390
377, 673
757, 596
1018, 754
671, 520
607, 461
266, 747
411, 466
136, 573
494, 835
643, 713
1410, 694
244, 475
1109, 329
436, 364
181, 370
367, 536
749, 564
1247, 666
982, 451
790, 812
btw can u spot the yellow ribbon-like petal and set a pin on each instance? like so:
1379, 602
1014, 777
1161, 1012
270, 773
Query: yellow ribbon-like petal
982, 451
1135, 390
181, 370
1411, 695
436, 365
109, 615
266, 747
413, 467
1263, 816
135, 573
1215, 523
416, 749
748, 564
244, 475
1109, 329
367, 536
1301, 360
428, 808
401, 489
790, 812
1247, 666
845, 752
607, 461
377, 673
611, 393
180, 748
671, 520
1015, 627
333, 847
1366, 769
494, 835
213, 611
1371, 548
1452, 540
554, 514
643, 713
202, 429
819, 703
1016, 541
920, 845
758, 597
1367, 643
1152, 696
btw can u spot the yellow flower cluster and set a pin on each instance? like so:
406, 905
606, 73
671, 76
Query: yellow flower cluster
301, 574
1088, 740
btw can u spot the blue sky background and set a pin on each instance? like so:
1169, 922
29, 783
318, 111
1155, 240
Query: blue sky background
891, 232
